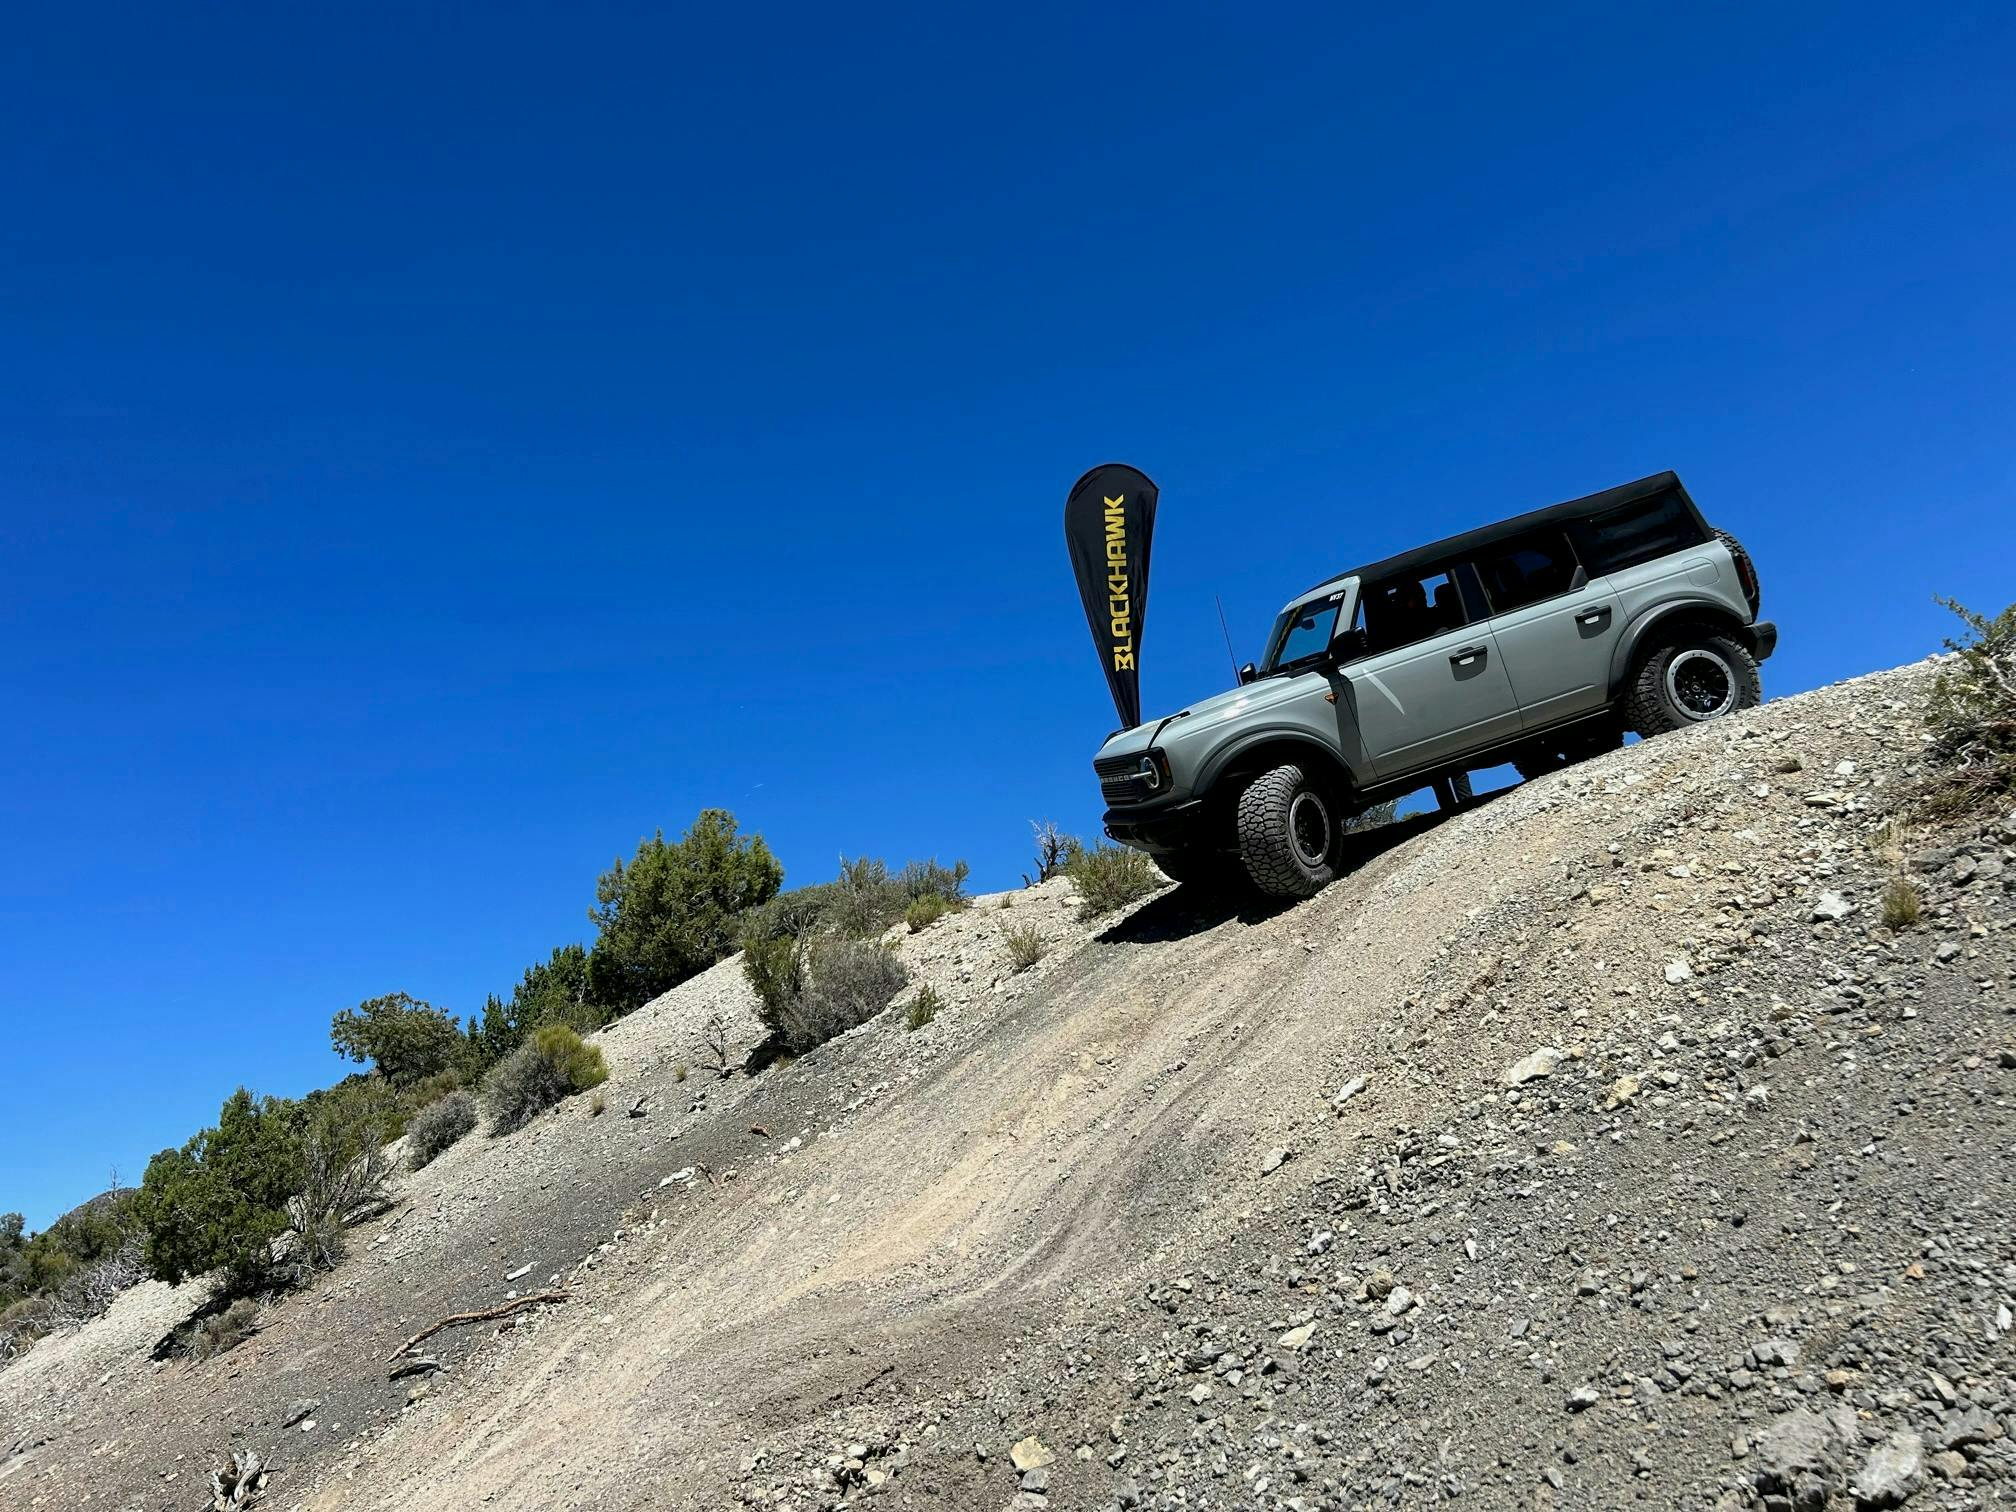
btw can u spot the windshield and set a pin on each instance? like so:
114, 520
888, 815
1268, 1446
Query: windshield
1303, 631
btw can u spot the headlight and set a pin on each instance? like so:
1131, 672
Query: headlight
1154, 771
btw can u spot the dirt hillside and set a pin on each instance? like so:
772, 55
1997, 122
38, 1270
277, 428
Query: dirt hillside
1597, 1146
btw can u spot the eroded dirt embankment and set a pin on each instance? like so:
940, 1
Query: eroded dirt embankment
1745, 1193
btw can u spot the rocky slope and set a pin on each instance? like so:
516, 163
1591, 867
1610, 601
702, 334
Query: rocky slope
1598, 1146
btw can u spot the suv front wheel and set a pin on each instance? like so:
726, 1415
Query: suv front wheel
1287, 833
1692, 674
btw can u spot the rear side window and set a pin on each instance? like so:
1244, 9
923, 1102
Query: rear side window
1527, 569
1634, 533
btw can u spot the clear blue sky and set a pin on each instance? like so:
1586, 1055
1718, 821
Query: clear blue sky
439, 447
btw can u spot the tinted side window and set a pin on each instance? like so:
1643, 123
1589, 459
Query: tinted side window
1399, 611
1633, 533
1526, 569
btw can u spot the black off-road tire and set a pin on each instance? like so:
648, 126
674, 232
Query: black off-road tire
1288, 828
1688, 676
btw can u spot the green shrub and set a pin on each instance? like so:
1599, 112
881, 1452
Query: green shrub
774, 967
221, 1200
226, 1330
1902, 907
924, 1007
863, 901
53, 1262
675, 909
1025, 947
406, 1039
554, 991
842, 983
1111, 876
438, 1125
425, 1093
554, 1064
345, 1171
1972, 715
925, 911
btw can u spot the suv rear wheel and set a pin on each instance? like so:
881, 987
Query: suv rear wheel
1287, 833
1692, 674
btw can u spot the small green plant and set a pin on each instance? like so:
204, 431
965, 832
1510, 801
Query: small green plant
225, 1330
554, 1064
439, 1125
598, 1104
1025, 947
924, 1007
679, 1071
1972, 715
925, 911
1902, 907
1110, 877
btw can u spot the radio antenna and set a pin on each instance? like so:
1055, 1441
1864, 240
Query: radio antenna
1229, 656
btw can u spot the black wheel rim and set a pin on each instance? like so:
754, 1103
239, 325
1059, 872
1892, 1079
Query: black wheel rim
1700, 683
1309, 829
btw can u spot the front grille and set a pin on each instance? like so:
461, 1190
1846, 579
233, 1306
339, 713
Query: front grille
1120, 778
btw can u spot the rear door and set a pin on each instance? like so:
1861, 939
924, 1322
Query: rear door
1555, 625
1429, 683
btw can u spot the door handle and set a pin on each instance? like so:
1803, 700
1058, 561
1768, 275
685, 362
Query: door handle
1464, 655
1591, 616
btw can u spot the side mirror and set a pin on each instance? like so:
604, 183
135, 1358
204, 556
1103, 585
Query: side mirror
1248, 673
1348, 645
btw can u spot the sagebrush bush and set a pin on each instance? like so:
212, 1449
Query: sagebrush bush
843, 983
924, 1007
437, 1126
554, 1064
225, 1330
1025, 947
1111, 876
1972, 715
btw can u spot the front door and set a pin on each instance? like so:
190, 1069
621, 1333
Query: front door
1556, 627
1428, 685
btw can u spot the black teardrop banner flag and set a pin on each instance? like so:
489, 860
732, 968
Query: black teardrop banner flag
1109, 519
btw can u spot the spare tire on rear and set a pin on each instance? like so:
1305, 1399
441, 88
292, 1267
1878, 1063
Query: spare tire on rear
1288, 833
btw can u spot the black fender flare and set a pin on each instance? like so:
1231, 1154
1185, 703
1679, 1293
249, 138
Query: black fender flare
1698, 611
1292, 743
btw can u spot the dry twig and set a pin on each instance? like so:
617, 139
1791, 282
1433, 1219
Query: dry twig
478, 1317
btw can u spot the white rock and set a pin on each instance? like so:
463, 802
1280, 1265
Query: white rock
1830, 907
1541, 1062
1678, 971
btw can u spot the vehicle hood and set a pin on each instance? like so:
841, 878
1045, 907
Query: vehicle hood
1236, 703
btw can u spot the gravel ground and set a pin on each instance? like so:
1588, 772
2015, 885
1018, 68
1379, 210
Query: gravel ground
1599, 1146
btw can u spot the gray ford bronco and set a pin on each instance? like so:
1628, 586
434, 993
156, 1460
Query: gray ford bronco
1536, 641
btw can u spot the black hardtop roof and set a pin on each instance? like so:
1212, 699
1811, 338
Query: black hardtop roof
1485, 535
